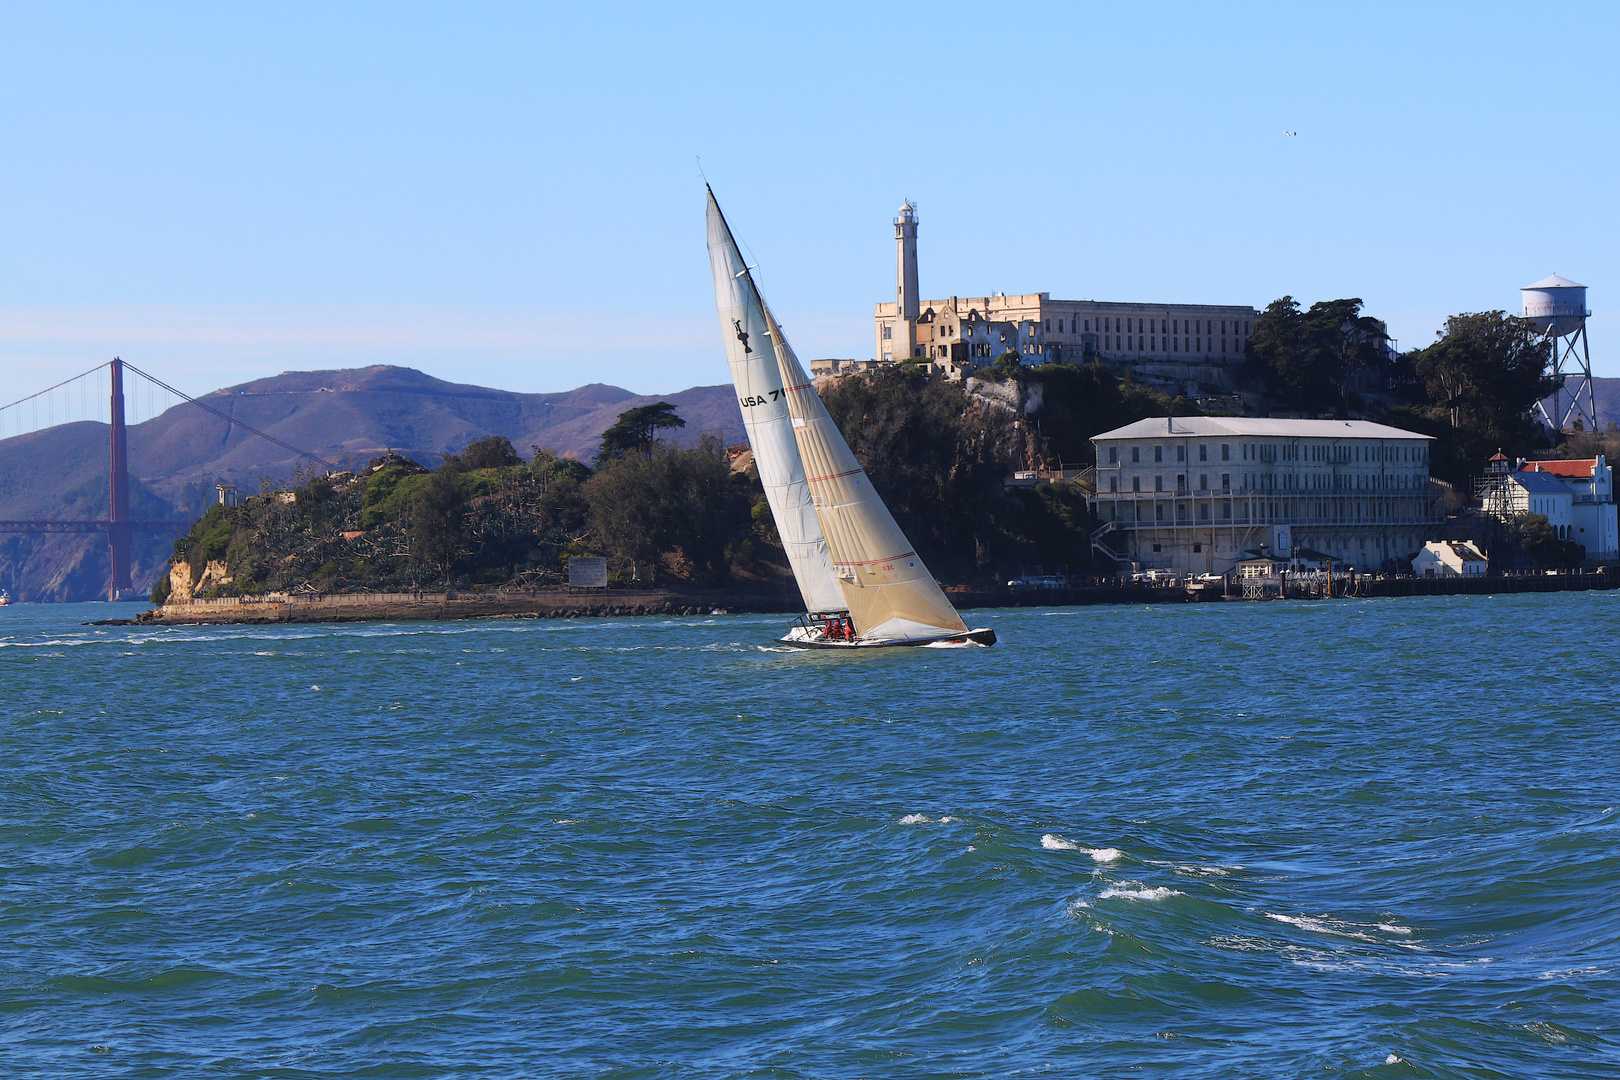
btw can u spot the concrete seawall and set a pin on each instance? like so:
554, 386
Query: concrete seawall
404, 607
392, 607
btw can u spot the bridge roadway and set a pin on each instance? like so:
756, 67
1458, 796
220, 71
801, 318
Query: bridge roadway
49, 525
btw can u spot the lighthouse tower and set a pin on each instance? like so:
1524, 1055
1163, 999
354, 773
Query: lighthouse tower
905, 277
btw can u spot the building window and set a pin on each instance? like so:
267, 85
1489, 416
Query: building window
1113, 485
1136, 483
1198, 549
1203, 511
1113, 455
1158, 454
1203, 482
1181, 453
1158, 483
1226, 481
1156, 547
1203, 452
1136, 455
888, 332
1181, 482
1048, 326
1158, 512
1226, 452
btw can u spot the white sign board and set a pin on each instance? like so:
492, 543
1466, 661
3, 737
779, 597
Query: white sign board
587, 572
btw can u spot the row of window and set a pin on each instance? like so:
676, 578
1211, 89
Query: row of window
1158, 453
1289, 482
1349, 453
1224, 512
1239, 511
1153, 326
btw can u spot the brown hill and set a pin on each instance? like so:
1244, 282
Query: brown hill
345, 417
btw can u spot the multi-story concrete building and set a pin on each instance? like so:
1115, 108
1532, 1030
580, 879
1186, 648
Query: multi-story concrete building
1192, 494
959, 334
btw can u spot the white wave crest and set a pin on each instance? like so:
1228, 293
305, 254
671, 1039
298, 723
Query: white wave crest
1054, 842
1158, 892
1339, 928
916, 819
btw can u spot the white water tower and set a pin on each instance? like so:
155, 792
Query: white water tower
1558, 308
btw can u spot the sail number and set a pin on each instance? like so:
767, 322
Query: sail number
750, 401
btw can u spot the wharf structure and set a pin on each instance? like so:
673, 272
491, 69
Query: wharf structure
1194, 494
956, 335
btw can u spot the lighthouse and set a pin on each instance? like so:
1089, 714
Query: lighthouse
905, 280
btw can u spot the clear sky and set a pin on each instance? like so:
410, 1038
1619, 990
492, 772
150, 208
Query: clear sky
508, 194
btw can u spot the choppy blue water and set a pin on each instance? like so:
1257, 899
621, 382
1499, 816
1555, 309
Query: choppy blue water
1340, 839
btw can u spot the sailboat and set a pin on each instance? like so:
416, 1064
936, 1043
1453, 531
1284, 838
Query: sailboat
863, 584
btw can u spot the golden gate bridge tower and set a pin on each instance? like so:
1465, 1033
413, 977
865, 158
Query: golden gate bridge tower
71, 400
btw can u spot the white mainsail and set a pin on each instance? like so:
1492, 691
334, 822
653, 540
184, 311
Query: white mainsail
758, 379
889, 593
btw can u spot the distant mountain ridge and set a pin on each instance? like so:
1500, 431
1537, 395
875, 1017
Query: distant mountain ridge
345, 416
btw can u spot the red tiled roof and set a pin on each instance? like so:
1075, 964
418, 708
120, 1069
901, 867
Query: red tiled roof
1569, 469
1499, 456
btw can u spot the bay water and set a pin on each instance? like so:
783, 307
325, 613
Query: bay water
1332, 839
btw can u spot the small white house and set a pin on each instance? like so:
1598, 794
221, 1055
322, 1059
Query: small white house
1449, 558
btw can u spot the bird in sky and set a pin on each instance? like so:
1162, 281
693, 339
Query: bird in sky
1290, 133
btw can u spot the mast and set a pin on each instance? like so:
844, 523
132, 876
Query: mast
763, 400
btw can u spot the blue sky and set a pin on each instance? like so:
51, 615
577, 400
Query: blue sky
508, 194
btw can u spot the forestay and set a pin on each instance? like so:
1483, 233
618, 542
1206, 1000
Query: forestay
758, 381
888, 591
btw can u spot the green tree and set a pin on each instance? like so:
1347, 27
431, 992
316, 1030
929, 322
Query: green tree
935, 456
1007, 364
490, 452
636, 430
669, 500
1306, 359
437, 516
1080, 402
1483, 379
1535, 537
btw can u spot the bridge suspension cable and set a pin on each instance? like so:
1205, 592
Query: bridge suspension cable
228, 418
82, 398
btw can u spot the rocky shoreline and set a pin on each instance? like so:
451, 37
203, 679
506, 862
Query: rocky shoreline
560, 604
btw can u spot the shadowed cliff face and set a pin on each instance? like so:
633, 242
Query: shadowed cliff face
346, 417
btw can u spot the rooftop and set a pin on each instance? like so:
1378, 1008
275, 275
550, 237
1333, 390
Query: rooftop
1541, 483
1555, 282
1165, 427
1568, 468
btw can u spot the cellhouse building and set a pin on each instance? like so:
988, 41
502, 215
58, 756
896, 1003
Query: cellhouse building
1194, 494
958, 334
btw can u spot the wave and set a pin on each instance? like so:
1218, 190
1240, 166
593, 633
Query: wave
1053, 842
1142, 892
